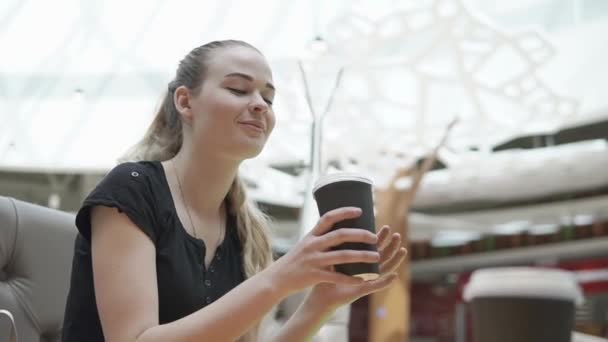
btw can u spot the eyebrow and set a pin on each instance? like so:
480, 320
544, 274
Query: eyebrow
247, 77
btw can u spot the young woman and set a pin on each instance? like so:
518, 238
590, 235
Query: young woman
169, 247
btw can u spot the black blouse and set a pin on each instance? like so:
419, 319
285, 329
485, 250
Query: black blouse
140, 190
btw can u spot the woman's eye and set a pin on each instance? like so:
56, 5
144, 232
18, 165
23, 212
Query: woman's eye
244, 92
237, 91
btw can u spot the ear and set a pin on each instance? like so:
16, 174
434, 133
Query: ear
181, 98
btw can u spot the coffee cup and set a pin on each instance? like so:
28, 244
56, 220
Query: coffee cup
344, 189
523, 304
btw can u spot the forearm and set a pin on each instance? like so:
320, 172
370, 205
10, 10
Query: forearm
304, 323
230, 317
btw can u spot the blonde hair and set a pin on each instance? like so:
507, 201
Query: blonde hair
164, 138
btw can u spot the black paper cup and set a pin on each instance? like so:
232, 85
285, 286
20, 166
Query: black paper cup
339, 190
522, 304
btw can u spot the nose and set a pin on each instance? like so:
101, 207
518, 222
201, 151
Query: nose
258, 105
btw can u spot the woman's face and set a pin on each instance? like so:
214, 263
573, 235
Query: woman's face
232, 113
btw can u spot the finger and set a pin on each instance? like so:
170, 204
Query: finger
378, 284
332, 217
348, 257
339, 278
342, 235
393, 263
391, 242
383, 234
391, 248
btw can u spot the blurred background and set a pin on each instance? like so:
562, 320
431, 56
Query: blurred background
369, 86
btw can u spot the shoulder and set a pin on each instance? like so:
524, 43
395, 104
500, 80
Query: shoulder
139, 177
128, 187
142, 171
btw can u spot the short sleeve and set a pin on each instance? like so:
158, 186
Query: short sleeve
126, 188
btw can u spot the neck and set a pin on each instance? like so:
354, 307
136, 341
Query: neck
205, 179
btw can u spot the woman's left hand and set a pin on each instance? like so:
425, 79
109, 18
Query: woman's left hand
329, 296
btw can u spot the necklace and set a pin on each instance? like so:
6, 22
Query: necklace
181, 192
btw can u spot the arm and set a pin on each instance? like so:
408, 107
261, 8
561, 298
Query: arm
324, 299
304, 323
123, 254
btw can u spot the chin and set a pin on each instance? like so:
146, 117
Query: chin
249, 154
249, 151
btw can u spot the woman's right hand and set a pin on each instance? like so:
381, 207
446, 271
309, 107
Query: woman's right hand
312, 259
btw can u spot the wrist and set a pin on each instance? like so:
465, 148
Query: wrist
275, 282
318, 304
306, 320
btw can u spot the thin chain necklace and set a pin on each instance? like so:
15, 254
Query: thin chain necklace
181, 192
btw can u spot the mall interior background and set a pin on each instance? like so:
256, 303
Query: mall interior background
522, 179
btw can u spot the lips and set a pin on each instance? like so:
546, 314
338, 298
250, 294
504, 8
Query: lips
254, 124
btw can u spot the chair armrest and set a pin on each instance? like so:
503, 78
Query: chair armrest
13, 332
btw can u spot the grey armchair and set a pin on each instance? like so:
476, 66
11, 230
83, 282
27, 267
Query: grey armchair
36, 248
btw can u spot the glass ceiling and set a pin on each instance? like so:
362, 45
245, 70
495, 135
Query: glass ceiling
79, 79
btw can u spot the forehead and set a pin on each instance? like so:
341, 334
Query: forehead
224, 61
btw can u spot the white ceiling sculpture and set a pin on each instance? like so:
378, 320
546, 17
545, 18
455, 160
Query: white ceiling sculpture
409, 72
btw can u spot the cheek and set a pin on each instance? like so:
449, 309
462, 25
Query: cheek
221, 104
219, 110
271, 122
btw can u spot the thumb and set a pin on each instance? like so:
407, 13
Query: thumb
378, 284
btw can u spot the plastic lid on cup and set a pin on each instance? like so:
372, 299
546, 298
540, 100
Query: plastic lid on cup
340, 177
527, 282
